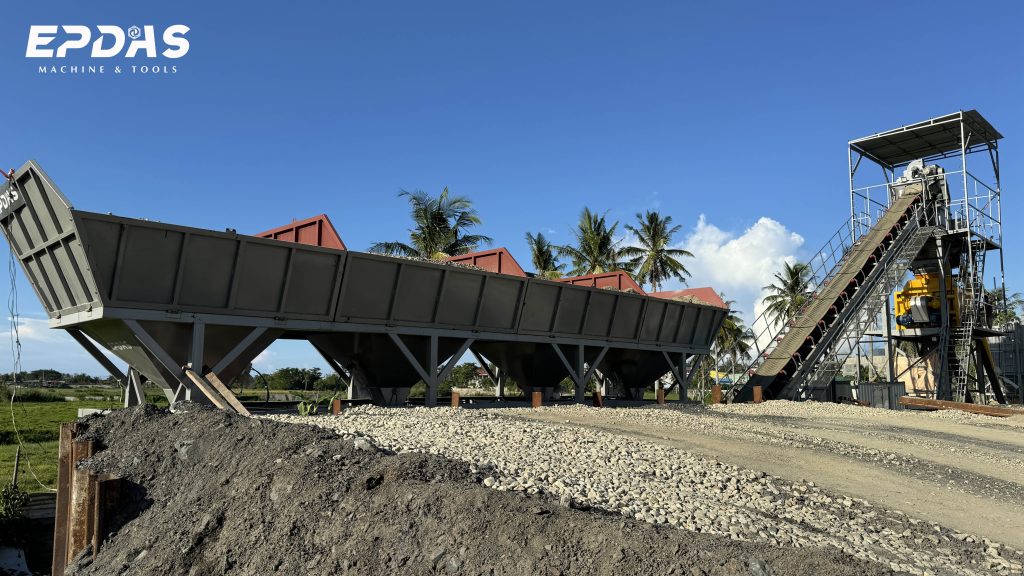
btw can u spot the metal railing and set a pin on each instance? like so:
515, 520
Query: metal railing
766, 331
832, 352
972, 205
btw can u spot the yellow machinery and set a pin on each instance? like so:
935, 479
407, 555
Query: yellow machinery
919, 304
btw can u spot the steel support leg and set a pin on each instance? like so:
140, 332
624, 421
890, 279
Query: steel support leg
580, 379
574, 367
133, 394
675, 369
433, 381
184, 389
684, 385
432, 374
195, 357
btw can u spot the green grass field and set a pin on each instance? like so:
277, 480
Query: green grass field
39, 426
38, 423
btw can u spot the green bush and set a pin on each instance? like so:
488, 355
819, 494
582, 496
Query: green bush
12, 500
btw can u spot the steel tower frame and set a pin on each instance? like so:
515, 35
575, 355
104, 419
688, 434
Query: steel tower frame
973, 231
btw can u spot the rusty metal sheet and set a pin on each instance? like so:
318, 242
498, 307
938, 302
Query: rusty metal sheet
315, 231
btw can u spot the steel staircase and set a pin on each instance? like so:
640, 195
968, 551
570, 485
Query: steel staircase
843, 337
969, 301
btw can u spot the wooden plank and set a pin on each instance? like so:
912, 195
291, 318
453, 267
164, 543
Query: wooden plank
227, 394
997, 411
80, 510
205, 388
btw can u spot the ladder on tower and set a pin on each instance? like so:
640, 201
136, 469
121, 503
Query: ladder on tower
971, 299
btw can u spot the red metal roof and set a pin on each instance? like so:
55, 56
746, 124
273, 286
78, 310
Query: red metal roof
495, 260
315, 231
706, 294
618, 280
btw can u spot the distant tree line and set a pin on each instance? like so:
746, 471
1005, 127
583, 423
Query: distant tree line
462, 376
49, 375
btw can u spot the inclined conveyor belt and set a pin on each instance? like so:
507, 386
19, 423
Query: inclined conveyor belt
816, 319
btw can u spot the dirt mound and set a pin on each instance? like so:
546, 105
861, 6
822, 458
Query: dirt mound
217, 493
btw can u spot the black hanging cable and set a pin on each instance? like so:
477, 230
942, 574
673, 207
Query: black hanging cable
12, 313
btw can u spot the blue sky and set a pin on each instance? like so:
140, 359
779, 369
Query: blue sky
731, 117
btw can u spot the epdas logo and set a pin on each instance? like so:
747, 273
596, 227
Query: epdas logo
107, 41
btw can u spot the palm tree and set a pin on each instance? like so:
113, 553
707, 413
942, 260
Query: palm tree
542, 252
789, 292
1005, 306
654, 261
733, 340
736, 341
596, 249
440, 228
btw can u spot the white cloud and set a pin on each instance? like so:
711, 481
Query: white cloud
35, 330
739, 265
43, 347
264, 360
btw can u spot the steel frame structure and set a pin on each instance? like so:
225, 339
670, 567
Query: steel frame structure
189, 309
973, 228
908, 223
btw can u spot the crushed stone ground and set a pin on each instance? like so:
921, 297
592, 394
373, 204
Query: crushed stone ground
216, 493
637, 462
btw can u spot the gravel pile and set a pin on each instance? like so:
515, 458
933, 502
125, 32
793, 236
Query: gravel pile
664, 486
217, 493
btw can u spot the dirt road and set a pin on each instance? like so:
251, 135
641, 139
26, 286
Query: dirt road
961, 471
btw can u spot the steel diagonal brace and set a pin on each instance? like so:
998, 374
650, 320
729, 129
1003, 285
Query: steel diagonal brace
486, 366
133, 394
156, 350
427, 378
96, 353
693, 369
238, 349
565, 362
673, 367
595, 364
334, 364
454, 358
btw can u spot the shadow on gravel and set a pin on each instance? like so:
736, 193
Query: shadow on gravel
222, 494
